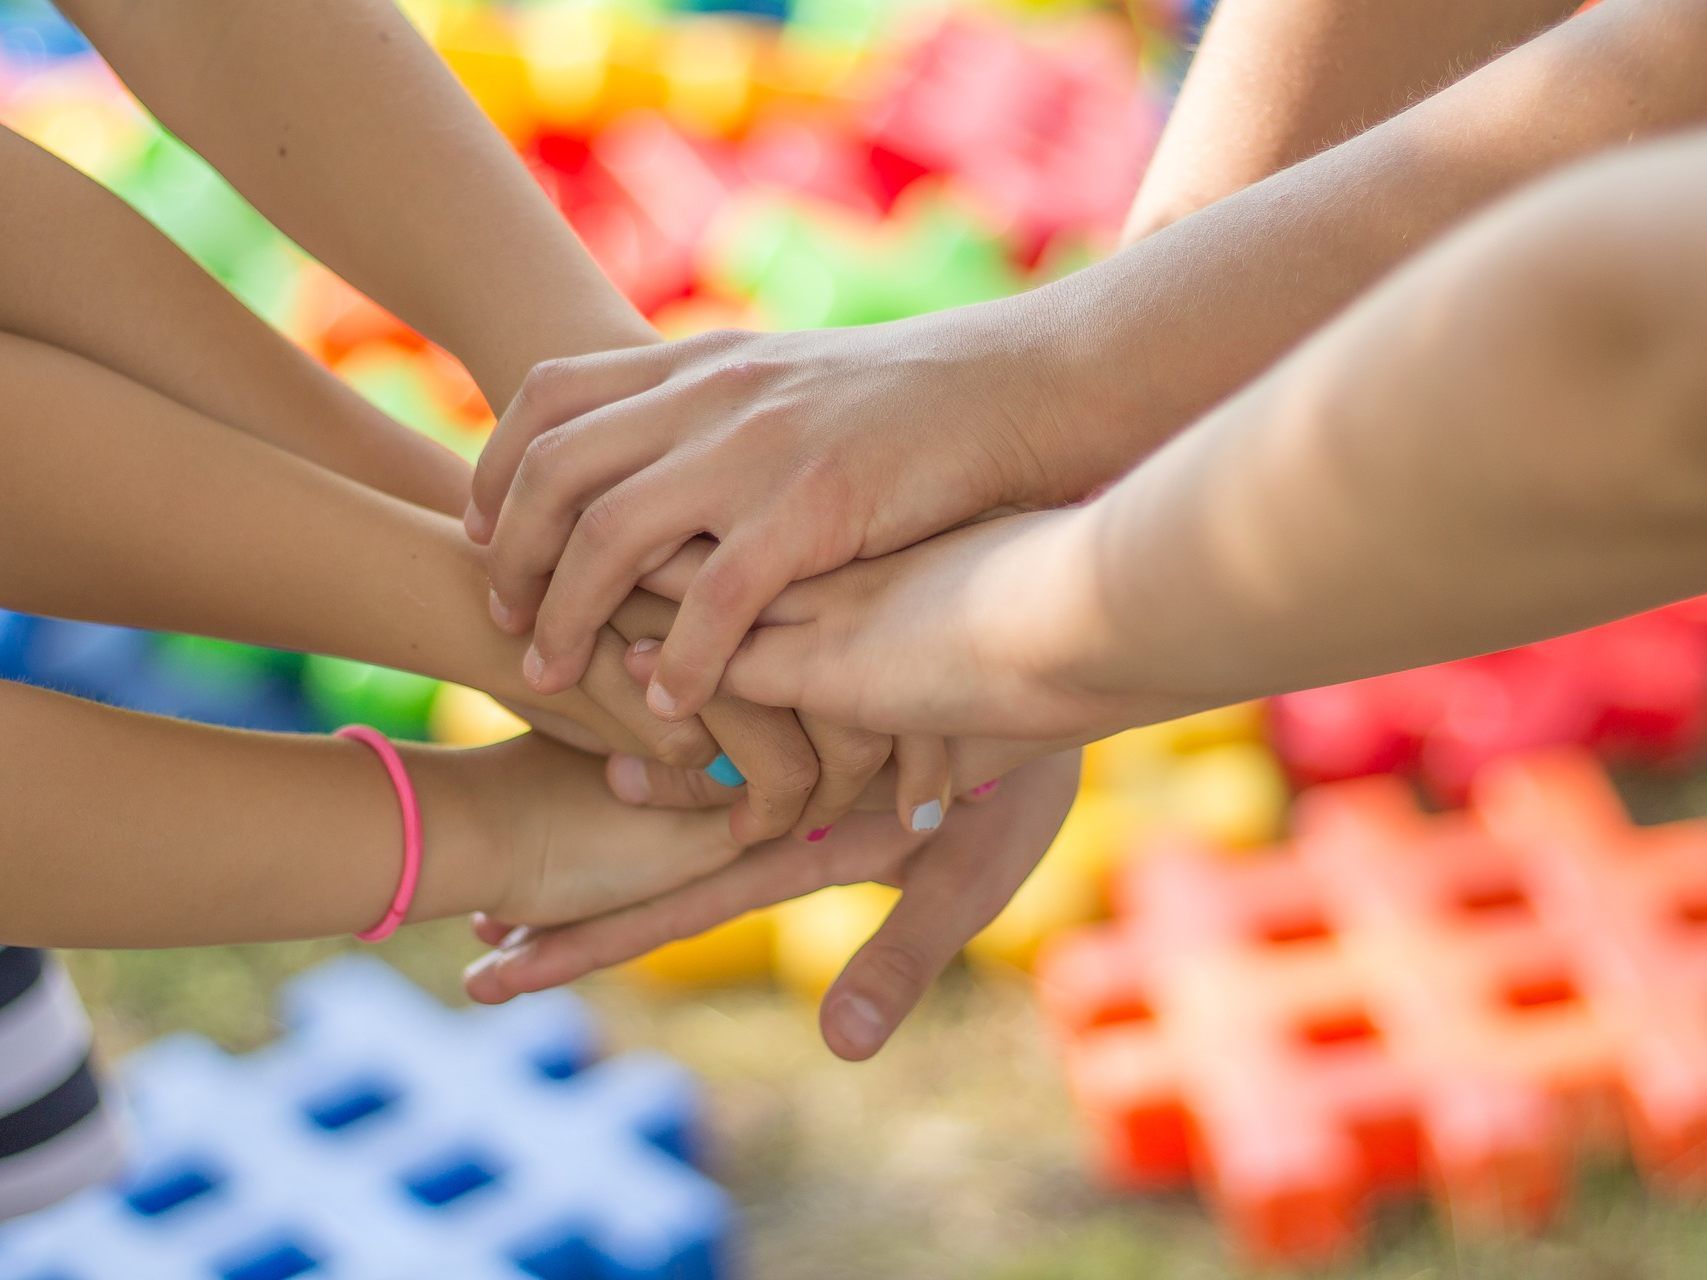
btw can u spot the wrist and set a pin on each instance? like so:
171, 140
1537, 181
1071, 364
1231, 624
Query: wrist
1073, 397
1051, 632
466, 861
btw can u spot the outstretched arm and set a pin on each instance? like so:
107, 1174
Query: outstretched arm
339, 123
803, 451
1502, 443
1273, 84
165, 323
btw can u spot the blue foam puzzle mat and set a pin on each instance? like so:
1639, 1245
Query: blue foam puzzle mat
386, 1137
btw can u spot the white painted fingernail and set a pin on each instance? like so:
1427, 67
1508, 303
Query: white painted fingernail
928, 816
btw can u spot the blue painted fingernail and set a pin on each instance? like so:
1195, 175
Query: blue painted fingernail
723, 772
928, 816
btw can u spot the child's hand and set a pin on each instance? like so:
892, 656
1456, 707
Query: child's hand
798, 451
568, 848
974, 633
953, 884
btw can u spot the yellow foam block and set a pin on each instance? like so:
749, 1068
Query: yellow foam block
1134, 757
735, 952
1233, 794
708, 66
464, 718
1069, 885
568, 50
818, 934
480, 47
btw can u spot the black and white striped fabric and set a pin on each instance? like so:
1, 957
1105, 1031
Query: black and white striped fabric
58, 1134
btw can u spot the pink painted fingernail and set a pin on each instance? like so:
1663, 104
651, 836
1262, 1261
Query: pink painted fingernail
813, 837
646, 645
985, 788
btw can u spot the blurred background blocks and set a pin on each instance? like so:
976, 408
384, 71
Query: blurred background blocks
386, 1136
1462, 1002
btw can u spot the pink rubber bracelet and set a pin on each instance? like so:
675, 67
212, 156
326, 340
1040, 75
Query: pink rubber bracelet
411, 807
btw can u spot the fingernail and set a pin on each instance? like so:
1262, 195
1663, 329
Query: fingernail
514, 938
533, 667
860, 1023
645, 646
661, 700
629, 781
481, 967
814, 836
985, 788
501, 613
517, 955
928, 816
475, 523
723, 772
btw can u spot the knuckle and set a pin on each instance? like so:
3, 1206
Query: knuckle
682, 747
897, 965
539, 462
602, 524
859, 756
724, 585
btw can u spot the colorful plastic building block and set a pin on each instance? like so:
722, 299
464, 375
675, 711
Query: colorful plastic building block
386, 1136
1396, 1000
1631, 690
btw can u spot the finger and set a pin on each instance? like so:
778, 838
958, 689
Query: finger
955, 885
490, 931
922, 935
768, 668
639, 781
774, 755
624, 534
554, 391
761, 877
686, 744
745, 573
848, 759
561, 474
672, 579
921, 781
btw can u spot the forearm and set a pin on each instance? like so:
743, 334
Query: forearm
164, 323
340, 124
1501, 444
205, 835
1185, 317
1273, 84
187, 525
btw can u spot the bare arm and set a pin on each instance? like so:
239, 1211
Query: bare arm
165, 323
338, 122
1273, 84
1501, 443
803, 451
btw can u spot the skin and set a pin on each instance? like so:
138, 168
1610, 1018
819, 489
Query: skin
270, 107
233, 854
951, 887
787, 448
1271, 85
1435, 474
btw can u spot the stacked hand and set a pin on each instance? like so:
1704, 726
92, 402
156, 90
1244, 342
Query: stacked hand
598, 488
